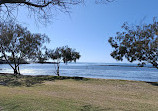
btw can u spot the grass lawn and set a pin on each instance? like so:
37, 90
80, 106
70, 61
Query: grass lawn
49, 93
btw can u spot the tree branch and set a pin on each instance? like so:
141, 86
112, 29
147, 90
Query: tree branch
53, 2
7, 60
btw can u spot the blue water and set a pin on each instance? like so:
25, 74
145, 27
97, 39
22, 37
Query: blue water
90, 70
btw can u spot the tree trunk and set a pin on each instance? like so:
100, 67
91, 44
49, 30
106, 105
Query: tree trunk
18, 67
18, 70
58, 69
15, 72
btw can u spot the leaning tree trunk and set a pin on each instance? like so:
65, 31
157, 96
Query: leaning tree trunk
14, 68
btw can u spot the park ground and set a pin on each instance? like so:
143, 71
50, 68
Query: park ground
51, 93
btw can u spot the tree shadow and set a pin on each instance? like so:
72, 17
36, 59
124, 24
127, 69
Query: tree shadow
74, 78
28, 81
153, 83
92, 108
12, 81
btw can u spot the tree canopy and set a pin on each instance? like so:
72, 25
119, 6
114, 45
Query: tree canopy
41, 58
63, 54
17, 44
139, 43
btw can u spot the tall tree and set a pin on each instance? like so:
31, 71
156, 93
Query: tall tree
17, 43
63, 54
139, 43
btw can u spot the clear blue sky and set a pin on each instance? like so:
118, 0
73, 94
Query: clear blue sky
89, 26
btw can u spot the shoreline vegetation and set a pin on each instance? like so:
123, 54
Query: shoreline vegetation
53, 93
25, 62
127, 66
134, 65
5, 62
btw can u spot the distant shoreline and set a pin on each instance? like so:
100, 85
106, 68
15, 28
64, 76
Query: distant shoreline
127, 66
30, 63
4, 62
46, 62
120, 65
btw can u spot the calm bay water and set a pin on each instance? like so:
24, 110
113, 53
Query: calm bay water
91, 70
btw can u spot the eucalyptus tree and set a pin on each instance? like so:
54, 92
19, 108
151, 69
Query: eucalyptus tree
139, 43
42, 58
63, 54
18, 43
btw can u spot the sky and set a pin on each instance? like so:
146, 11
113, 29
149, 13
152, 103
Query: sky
89, 26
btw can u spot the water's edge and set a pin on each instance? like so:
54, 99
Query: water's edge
90, 70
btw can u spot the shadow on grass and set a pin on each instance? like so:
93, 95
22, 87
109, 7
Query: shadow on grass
92, 108
28, 81
153, 83
13, 81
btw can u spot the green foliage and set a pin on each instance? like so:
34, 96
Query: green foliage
63, 54
139, 43
18, 44
41, 58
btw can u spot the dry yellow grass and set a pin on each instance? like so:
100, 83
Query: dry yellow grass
73, 95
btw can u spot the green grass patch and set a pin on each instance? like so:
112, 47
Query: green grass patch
52, 93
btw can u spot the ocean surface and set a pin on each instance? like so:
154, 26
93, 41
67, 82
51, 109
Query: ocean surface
90, 70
